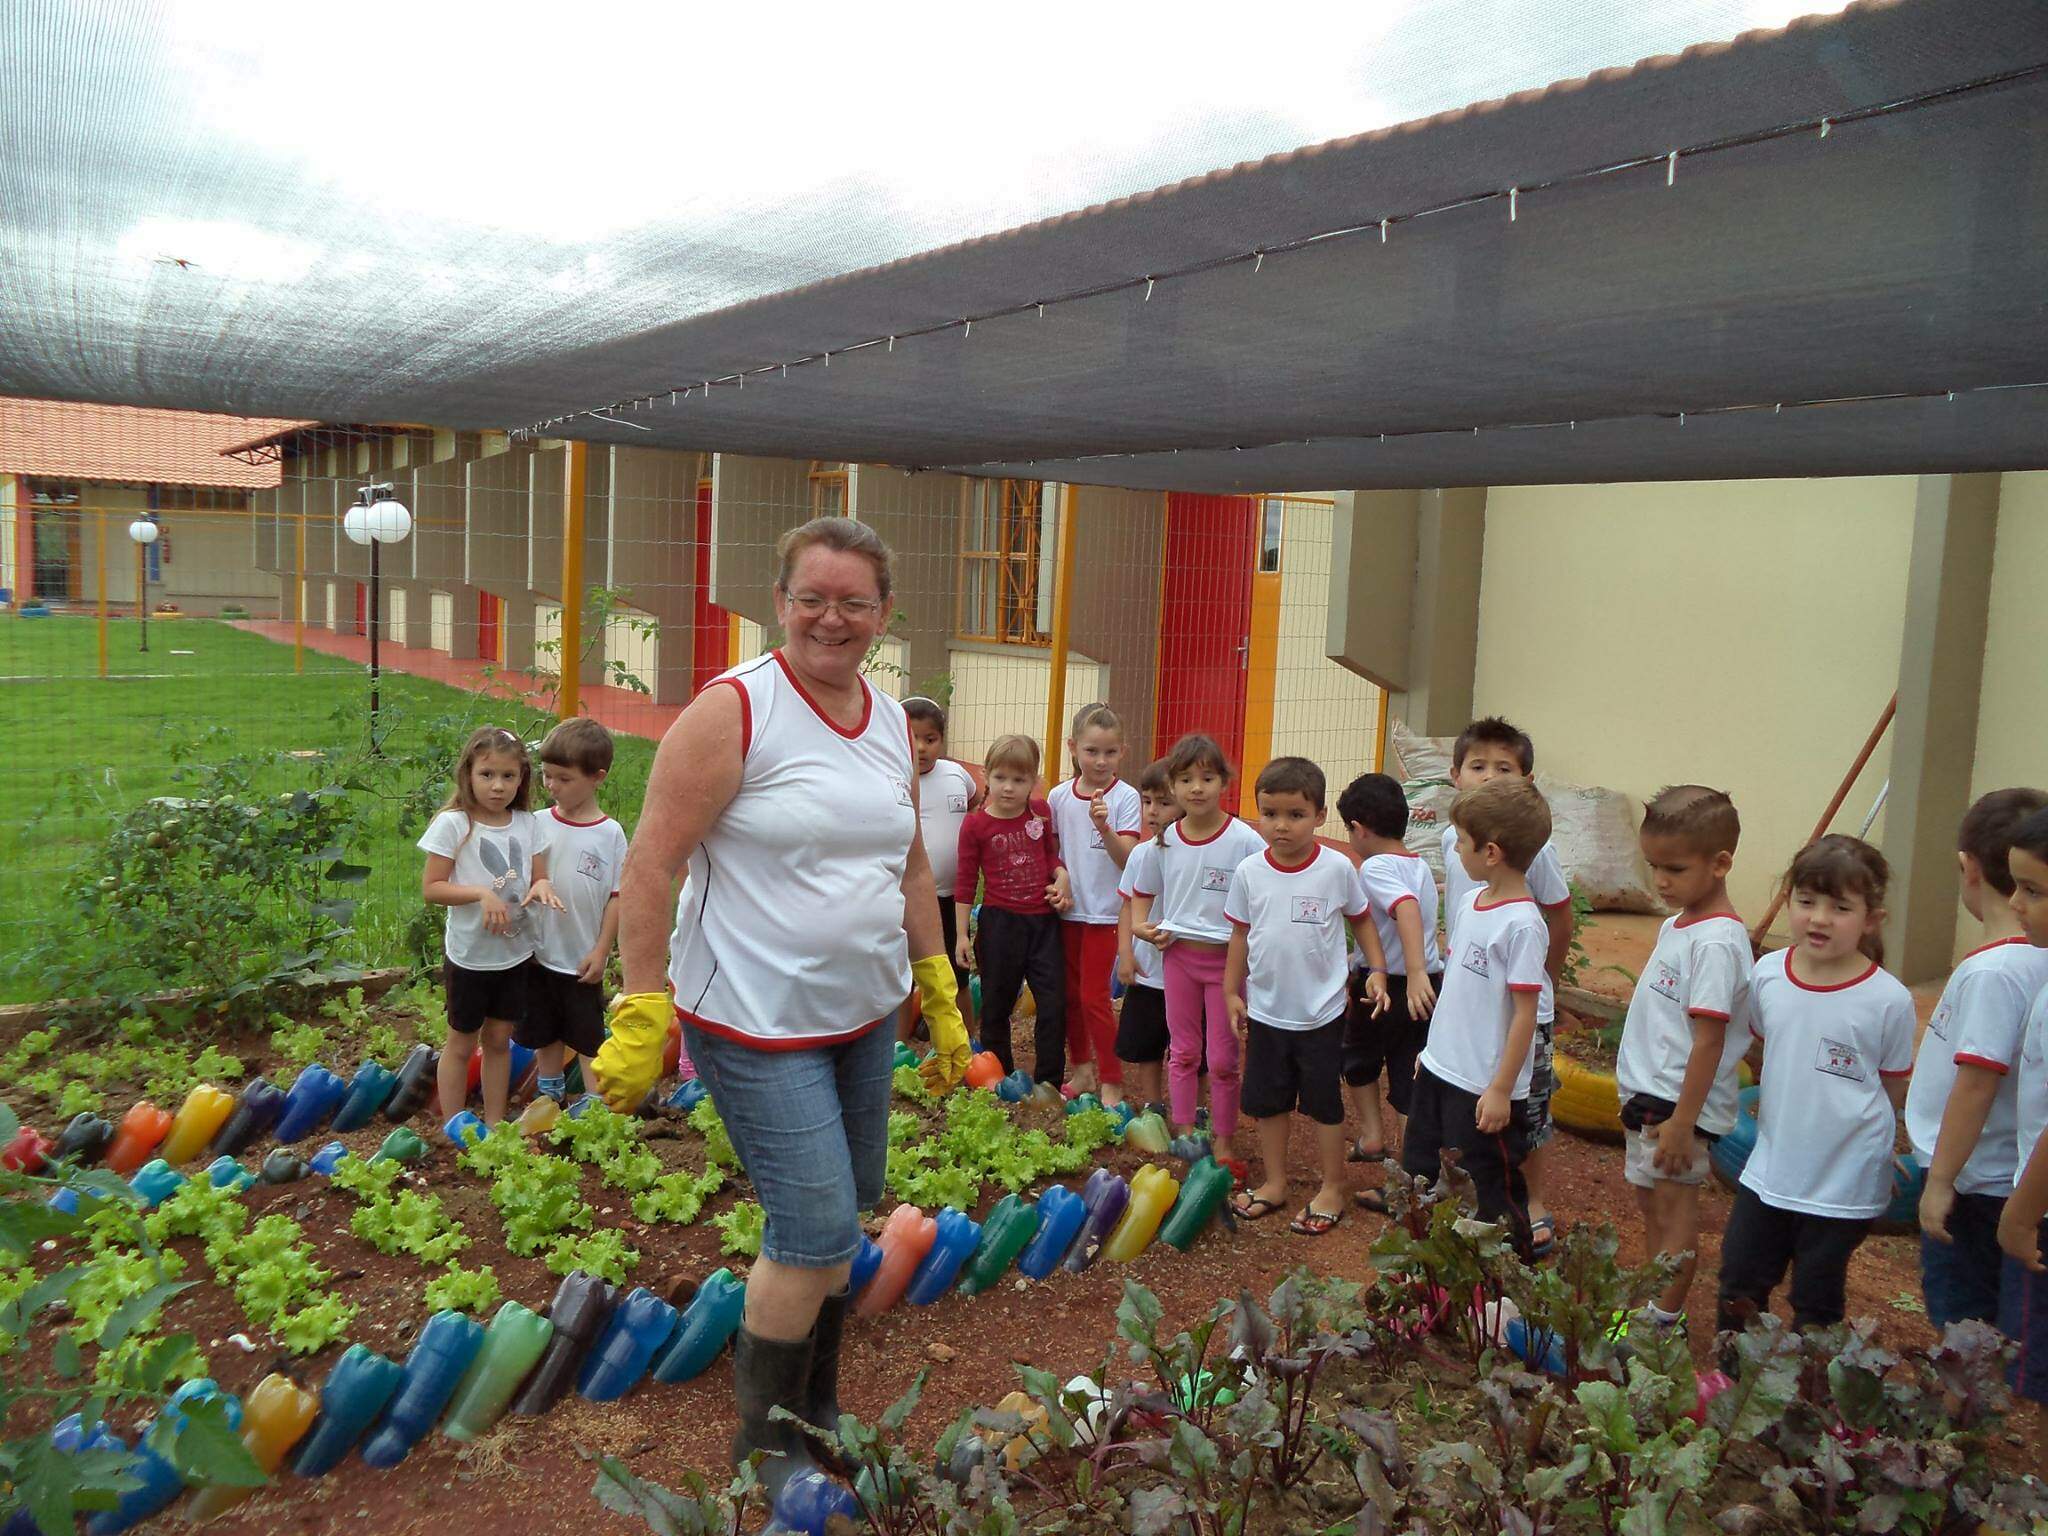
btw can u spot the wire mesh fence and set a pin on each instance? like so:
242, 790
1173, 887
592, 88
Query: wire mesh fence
197, 791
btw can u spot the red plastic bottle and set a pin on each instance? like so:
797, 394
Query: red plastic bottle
25, 1154
904, 1241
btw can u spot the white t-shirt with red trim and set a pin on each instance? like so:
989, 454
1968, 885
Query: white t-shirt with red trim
1498, 952
1385, 880
1148, 971
1981, 1019
1699, 967
942, 797
2030, 1102
585, 859
1188, 881
1546, 883
1825, 1125
1092, 875
1294, 922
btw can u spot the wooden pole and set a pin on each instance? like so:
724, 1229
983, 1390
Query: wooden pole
1062, 613
1884, 722
103, 591
571, 657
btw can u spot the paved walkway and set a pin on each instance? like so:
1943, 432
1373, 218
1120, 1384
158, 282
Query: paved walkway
617, 709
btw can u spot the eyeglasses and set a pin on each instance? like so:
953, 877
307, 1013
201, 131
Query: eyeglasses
852, 609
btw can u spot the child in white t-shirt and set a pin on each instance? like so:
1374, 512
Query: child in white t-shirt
1284, 983
487, 862
1687, 1028
945, 794
1096, 815
1141, 1037
1962, 1106
1837, 1041
1472, 1081
2023, 1227
1485, 750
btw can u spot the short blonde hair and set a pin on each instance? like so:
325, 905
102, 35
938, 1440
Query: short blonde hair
842, 534
1508, 813
1019, 752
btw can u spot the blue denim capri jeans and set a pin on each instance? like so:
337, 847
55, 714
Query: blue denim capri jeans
811, 1128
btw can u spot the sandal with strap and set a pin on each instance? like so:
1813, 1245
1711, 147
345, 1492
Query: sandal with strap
1314, 1223
1255, 1207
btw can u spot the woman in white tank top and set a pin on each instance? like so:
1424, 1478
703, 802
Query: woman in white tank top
789, 789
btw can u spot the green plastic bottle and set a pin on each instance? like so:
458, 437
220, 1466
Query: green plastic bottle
517, 1338
1147, 1133
1201, 1196
401, 1146
1009, 1228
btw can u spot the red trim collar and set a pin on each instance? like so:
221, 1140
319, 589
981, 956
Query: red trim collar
1839, 986
1495, 906
1293, 869
1074, 785
867, 701
1201, 842
1705, 917
2018, 938
555, 812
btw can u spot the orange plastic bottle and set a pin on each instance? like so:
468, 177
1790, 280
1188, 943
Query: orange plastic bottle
984, 1071
204, 1112
274, 1419
135, 1141
905, 1240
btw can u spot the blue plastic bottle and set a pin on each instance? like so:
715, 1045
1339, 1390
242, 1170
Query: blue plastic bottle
447, 1344
156, 1181
256, 1110
465, 1129
957, 1237
707, 1326
639, 1325
357, 1389
160, 1481
311, 1103
226, 1173
1060, 1215
521, 1058
368, 1091
807, 1501
865, 1263
68, 1437
1523, 1341
323, 1161
688, 1095
578, 1108
1123, 1113
1105, 1194
1015, 1088
65, 1200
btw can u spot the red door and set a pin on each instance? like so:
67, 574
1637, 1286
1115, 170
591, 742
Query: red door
487, 638
711, 628
362, 609
1205, 619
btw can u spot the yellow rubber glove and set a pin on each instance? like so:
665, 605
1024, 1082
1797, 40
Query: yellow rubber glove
940, 1001
630, 1061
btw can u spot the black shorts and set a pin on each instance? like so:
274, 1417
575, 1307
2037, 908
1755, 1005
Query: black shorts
1286, 1069
474, 996
1388, 1043
562, 1010
950, 929
1141, 1025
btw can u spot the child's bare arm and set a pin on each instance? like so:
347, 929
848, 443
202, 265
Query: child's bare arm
1236, 961
1558, 920
440, 891
1675, 1147
1368, 938
1496, 1104
1415, 956
2019, 1229
1126, 956
1962, 1125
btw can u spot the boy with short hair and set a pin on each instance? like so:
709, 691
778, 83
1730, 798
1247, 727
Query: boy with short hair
2023, 1229
1283, 981
587, 851
1962, 1108
1472, 1081
1488, 749
1687, 1027
1401, 893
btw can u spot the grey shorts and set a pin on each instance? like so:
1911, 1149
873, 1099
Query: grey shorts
1639, 1163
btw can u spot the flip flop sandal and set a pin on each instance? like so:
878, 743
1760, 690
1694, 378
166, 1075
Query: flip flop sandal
1314, 1223
1356, 1153
1255, 1208
1373, 1200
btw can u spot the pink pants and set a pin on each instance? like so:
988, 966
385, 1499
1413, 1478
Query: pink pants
1195, 1014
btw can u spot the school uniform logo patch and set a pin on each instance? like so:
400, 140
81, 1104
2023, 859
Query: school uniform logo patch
1938, 1025
1214, 876
1475, 960
1839, 1060
1311, 909
902, 791
1664, 981
590, 865
957, 804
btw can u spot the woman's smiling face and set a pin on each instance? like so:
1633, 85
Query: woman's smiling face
831, 612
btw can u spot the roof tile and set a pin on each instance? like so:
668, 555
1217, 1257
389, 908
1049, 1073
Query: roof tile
124, 443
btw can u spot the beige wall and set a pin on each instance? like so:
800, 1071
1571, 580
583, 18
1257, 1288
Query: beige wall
1115, 609
753, 502
998, 690
1321, 711
1743, 634
918, 517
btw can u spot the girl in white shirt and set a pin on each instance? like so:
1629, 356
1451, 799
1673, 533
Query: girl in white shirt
945, 794
1097, 817
1837, 1039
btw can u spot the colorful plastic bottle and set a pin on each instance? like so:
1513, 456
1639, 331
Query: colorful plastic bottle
401, 1146
579, 1107
226, 1173
446, 1345
956, 1238
1202, 1195
688, 1094
1046, 1096
65, 1200
160, 1482
141, 1130
579, 1310
156, 1181
68, 1436
1147, 1133
1524, 1341
983, 1070
198, 1121
84, 1140
465, 1129
357, 1389
865, 1263
906, 1238
807, 1501
1106, 1195
639, 1325
323, 1162
1121, 1114
539, 1117
257, 1109
1010, 1226
513, 1344
274, 1419
311, 1104
368, 1091
1153, 1191
1015, 1088
707, 1326
415, 1084
282, 1167
522, 1062
572, 1077
1081, 1101
906, 1055
27, 1152
1061, 1213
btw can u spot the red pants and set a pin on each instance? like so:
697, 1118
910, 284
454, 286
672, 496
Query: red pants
1091, 1022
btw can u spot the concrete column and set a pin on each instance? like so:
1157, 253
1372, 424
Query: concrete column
462, 620
1934, 737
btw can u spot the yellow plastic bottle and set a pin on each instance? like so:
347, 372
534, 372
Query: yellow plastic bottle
539, 1116
1153, 1192
275, 1417
199, 1119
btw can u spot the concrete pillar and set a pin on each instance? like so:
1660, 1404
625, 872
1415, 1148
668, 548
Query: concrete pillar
462, 620
1934, 736
518, 627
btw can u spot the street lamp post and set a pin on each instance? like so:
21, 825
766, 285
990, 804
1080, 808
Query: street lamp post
144, 533
378, 518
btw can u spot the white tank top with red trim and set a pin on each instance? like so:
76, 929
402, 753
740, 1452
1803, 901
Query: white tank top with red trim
789, 929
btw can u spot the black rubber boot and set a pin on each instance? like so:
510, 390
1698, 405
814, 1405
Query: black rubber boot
768, 1373
824, 1393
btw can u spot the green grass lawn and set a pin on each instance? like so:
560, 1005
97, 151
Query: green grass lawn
80, 749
